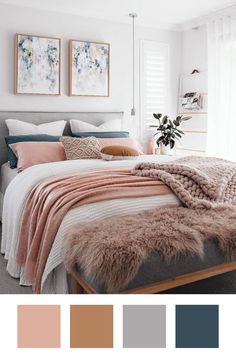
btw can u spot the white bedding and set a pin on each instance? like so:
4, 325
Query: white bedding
7, 175
54, 278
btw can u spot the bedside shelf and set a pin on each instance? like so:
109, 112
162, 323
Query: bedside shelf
202, 94
192, 131
196, 128
193, 113
190, 150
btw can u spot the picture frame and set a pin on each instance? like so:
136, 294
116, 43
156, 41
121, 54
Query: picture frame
37, 65
89, 68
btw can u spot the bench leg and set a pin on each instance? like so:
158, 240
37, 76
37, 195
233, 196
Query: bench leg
76, 288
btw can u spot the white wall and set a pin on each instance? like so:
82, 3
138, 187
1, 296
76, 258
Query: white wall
194, 50
22, 20
194, 56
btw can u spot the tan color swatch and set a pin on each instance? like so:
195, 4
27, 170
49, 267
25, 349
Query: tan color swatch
38, 326
91, 326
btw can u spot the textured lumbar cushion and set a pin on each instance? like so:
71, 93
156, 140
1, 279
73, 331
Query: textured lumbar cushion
124, 142
18, 128
111, 153
81, 148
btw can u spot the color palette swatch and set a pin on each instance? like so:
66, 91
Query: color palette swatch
197, 326
92, 326
144, 326
39, 326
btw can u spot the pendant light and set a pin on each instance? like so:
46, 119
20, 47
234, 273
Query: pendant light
133, 16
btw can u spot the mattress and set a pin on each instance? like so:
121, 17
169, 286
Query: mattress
155, 268
7, 175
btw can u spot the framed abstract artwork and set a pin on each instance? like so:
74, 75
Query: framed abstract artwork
37, 65
89, 68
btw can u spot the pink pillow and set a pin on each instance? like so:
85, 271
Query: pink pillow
34, 153
128, 142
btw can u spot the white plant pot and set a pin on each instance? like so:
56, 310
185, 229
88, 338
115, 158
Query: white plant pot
166, 150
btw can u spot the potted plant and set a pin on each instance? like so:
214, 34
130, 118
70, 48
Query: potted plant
168, 132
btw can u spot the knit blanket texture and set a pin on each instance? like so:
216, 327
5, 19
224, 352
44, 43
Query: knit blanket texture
199, 182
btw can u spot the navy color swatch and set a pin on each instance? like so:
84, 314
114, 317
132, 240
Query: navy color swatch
197, 326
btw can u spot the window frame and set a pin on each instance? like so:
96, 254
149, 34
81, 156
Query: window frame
143, 125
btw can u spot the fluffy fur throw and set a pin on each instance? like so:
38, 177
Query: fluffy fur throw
111, 251
199, 182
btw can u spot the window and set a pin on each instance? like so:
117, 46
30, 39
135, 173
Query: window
221, 122
154, 81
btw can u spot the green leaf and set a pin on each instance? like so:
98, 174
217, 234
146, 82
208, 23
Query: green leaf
172, 143
186, 118
180, 131
171, 124
165, 120
157, 115
159, 140
177, 134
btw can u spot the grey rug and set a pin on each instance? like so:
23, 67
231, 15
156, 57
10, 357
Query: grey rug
222, 284
9, 285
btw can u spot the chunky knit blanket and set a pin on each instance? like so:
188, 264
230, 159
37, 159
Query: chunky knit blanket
199, 182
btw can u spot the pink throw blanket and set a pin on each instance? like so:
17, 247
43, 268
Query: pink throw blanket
50, 200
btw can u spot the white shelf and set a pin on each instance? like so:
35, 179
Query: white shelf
193, 113
190, 150
202, 94
192, 131
196, 128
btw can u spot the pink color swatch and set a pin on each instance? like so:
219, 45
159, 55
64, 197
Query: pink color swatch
38, 326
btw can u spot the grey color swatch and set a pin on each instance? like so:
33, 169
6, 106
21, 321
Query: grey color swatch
144, 326
197, 326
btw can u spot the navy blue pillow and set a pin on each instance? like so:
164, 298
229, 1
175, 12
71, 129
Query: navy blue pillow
26, 138
110, 134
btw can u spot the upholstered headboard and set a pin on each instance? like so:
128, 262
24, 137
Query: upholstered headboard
95, 118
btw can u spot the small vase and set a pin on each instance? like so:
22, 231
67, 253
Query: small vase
166, 150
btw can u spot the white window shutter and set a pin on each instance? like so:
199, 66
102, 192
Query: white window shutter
154, 81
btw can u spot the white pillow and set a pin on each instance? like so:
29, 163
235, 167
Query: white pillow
19, 128
107, 157
81, 126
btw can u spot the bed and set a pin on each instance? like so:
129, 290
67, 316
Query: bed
16, 188
7, 175
37, 118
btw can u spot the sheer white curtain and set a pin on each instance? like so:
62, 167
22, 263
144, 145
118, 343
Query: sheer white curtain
222, 87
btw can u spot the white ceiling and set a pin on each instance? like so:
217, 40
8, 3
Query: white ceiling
153, 13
